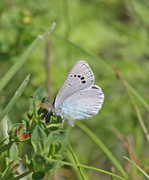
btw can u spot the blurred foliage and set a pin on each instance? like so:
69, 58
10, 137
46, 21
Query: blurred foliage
103, 33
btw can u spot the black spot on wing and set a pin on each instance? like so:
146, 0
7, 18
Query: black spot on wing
82, 78
83, 82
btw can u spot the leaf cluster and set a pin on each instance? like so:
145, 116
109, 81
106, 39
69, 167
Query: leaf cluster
43, 135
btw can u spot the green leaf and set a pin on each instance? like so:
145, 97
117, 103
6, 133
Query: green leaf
13, 152
15, 97
42, 164
7, 140
38, 140
60, 156
28, 162
14, 164
57, 120
15, 126
54, 124
52, 150
57, 151
9, 126
54, 143
7, 161
24, 125
38, 175
11, 168
42, 125
39, 95
56, 136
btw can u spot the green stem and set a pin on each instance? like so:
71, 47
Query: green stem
6, 173
6, 147
103, 147
75, 159
147, 176
22, 175
89, 167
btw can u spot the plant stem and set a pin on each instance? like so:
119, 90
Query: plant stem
90, 168
22, 175
6, 147
75, 159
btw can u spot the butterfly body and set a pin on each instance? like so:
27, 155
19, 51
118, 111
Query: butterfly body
78, 98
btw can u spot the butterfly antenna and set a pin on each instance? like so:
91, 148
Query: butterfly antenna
40, 100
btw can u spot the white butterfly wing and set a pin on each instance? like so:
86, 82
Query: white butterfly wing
79, 78
82, 104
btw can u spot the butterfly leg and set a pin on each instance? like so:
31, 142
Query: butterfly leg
63, 122
48, 113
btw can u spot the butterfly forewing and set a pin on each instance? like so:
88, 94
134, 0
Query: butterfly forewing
79, 78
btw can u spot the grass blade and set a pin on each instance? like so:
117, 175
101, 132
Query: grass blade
137, 167
15, 97
135, 93
6, 78
102, 146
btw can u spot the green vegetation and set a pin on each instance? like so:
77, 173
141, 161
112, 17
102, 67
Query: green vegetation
112, 36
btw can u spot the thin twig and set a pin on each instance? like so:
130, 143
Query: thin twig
134, 105
47, 64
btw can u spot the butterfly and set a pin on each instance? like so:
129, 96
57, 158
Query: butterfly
78, 97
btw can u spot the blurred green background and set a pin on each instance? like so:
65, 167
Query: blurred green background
103, 33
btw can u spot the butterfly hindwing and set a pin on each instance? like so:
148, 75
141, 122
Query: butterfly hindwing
83, 104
